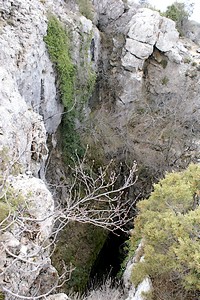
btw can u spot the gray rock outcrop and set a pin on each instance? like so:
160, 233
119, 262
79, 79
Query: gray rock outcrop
147, 31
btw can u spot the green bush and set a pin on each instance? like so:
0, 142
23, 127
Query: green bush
169, 223
178, 13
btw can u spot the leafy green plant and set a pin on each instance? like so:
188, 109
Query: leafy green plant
169, 223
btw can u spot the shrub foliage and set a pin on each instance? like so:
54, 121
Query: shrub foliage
169, 224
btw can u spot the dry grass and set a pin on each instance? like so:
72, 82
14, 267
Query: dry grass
105, 292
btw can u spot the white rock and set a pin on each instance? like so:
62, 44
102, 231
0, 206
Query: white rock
144, 26
9, 240
137, 294
27, 261
60, 296
168, 35
87, 25
23, 250
39, 201
147, 30
24, 53
140, 50
131, 63
112, 8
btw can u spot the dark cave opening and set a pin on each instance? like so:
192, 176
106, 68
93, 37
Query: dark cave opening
109, 260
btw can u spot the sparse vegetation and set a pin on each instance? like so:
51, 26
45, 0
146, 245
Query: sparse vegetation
68, 249
58, 44
10, 200
187, 60
86, 8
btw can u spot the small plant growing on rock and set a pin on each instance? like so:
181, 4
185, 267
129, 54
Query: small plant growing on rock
187, 60
164, 63
165, 80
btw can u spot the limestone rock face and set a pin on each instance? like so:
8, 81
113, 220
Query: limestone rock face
23, 52
24, 240
144, 287
109, 10
23, 133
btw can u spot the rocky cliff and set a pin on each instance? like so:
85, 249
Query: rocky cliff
147, 96
144, 107
31, 111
